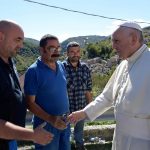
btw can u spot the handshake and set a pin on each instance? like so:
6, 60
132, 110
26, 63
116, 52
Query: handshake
74, 117
59, 122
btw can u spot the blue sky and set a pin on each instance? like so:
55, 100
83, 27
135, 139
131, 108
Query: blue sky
37, 20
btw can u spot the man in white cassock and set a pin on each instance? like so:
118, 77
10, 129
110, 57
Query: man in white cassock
128, 90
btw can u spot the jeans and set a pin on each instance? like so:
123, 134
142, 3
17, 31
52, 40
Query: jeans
12, 145
61, 139
78, 133
8, 144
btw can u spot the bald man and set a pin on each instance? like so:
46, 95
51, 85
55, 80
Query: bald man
128, 90
12, 103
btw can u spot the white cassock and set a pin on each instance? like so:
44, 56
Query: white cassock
128, 90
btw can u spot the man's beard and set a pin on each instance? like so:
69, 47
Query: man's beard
74, 59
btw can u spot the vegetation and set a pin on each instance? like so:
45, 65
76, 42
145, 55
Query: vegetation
102, 122
24, 62
99, 82
146, 34
27, 55
101, 49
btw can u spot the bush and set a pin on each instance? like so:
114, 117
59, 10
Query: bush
99, 82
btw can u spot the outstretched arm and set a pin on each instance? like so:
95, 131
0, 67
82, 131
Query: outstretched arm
76, 116
12, 131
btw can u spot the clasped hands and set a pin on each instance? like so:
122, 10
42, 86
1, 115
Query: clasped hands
41, 136
61, 122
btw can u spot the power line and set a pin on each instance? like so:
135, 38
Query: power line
81, 12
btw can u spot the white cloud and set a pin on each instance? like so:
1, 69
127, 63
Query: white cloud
143, 24
64, 36
109, 29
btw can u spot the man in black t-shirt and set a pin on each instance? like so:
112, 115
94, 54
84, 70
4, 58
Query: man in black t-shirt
12, 103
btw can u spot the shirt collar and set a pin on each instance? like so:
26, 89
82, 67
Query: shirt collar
137, 54
39, 62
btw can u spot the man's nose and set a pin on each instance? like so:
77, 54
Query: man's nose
75, 54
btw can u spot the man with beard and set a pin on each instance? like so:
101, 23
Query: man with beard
46, 94
79, 85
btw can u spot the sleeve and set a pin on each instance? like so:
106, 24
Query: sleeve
30, 82
102, 102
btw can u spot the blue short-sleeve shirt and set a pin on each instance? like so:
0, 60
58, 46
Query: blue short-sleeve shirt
48, 86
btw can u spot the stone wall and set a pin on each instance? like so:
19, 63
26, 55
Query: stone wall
105, 132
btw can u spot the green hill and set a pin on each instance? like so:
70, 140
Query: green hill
83, 40
27, 54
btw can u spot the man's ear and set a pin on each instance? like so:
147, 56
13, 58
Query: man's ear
1, 36
134, 38
67, 52
42, 50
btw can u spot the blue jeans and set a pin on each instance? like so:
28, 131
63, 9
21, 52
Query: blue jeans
78, 133
61, 139
12, 145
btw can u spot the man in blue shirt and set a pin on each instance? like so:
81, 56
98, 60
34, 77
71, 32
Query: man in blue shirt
46, 93
79, 85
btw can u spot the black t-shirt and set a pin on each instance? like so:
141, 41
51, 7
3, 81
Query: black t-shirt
12, 102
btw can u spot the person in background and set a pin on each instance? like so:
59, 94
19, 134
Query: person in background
127, 90
12, 103
11, 131
79, 85
46, 94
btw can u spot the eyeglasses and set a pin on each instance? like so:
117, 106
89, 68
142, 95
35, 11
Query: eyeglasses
52, 49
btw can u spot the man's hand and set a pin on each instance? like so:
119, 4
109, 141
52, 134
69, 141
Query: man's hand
76, 116
58, 122
41, 136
